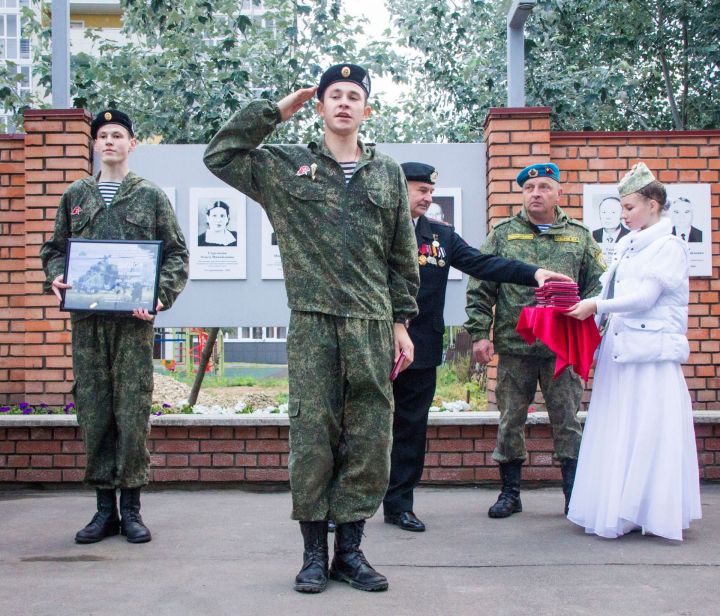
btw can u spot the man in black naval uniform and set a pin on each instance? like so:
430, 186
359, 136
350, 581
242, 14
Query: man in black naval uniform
439, 247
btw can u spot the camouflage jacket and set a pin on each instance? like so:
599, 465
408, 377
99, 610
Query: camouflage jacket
139, 211
347, 249
566, 247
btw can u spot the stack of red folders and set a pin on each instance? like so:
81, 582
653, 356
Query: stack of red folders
557, 294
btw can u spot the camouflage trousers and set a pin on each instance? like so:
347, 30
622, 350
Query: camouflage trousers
112, 362
341, 410
517, 380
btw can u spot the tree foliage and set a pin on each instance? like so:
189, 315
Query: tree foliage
599, 64
187, 65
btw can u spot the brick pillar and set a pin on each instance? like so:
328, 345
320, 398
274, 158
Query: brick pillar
515, 137
12, 267
57, 152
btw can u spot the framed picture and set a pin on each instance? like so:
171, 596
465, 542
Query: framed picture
217, 234
112, 275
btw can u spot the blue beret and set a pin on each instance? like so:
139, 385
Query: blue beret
344, 72
110, 116
547, 170
419, 172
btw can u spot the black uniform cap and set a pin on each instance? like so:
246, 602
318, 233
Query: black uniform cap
344, 72
419, 172
110, 116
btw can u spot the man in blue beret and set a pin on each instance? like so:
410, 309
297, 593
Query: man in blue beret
340, 212
439, 248
540, 233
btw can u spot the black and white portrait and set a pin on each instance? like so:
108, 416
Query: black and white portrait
217, 225
688, 208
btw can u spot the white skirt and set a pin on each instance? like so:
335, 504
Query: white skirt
637, 468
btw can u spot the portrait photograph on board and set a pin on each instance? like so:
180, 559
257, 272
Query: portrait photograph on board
688, 208
271, 265
446, 207
217, 234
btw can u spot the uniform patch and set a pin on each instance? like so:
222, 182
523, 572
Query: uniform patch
601, 260
76, 210
304, 170
520, 236
567, 238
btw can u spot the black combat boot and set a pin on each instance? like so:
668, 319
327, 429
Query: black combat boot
569, 466
105, 522
509, 500
313, 576
131, 525
349, 563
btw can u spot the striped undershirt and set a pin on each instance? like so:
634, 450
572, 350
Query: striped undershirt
544, 227
108, 190
348, 169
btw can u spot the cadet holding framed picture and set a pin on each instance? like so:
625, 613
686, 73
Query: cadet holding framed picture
112, 276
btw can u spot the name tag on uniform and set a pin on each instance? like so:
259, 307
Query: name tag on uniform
520, 236
567, 238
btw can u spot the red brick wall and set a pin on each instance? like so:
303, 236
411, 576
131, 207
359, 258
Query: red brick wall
256, 454
36, 352
515, 137
12, 266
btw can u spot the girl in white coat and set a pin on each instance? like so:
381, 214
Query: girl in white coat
637, 467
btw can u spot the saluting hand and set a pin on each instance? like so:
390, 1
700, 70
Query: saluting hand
295, 101
542, 276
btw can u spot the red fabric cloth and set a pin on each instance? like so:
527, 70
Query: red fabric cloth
573, 342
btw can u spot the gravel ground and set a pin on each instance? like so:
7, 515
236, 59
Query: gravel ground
168, 390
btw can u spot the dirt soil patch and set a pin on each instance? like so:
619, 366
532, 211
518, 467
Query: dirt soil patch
168, 390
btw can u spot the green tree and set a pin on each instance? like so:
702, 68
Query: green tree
599, 64
187, 65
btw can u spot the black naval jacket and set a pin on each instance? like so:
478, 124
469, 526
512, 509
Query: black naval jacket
426, 330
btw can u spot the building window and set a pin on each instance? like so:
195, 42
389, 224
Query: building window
255, 334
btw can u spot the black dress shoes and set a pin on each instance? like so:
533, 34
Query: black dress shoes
406, 520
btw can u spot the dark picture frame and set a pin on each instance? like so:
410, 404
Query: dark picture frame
112, 276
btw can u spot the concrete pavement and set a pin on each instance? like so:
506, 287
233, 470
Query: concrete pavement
218, 552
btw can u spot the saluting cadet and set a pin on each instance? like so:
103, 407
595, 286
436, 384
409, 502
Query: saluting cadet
341, 215
439, 247
540, 233
112, 354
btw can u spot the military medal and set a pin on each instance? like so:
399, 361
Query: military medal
422, 259
436, 243
441, 263
313, 170
432, 260
304, 170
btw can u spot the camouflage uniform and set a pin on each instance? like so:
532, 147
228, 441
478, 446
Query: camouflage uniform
112, 355
349, 257
566, 247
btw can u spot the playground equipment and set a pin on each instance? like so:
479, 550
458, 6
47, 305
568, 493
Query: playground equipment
187, 348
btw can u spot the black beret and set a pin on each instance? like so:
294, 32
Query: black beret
344, 72
110, 116
419, 172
